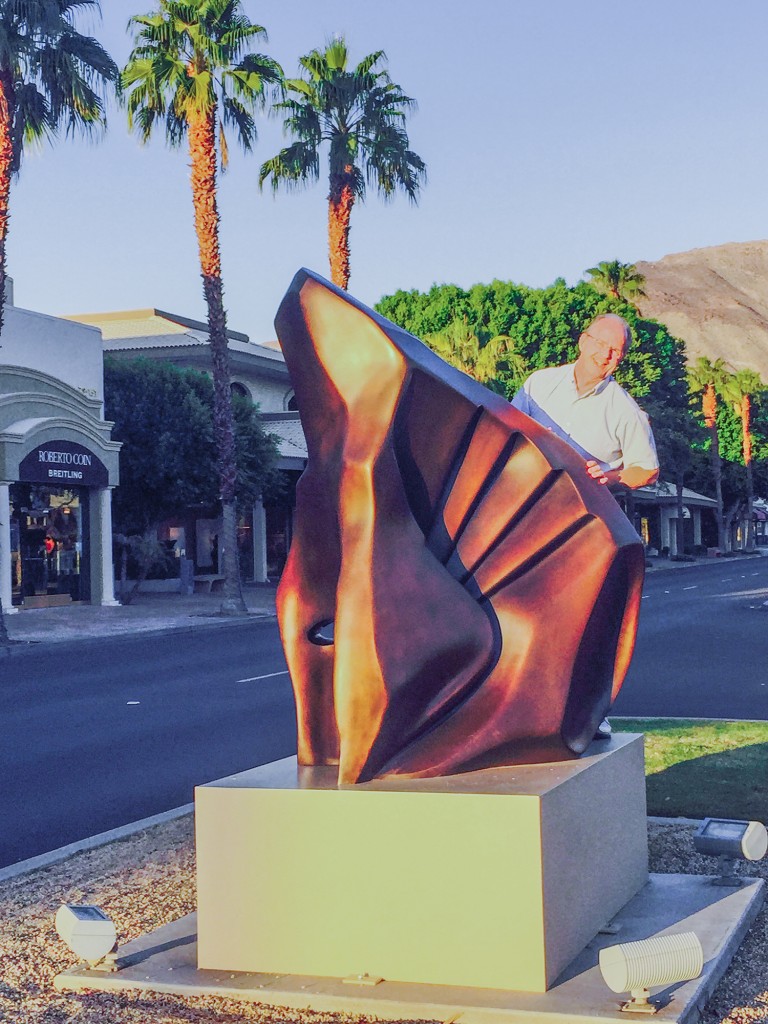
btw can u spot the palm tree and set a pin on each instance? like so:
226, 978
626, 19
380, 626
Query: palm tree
360, 113
738, 389
481, 357
189, 67
706, 377
51, 78
619, 280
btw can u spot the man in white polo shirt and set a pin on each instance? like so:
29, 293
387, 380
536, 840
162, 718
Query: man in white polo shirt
583, 404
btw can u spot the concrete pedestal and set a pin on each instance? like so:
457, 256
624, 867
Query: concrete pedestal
493, 879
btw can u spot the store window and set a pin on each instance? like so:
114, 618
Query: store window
49, 553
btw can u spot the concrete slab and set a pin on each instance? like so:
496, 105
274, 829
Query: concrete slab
166, 961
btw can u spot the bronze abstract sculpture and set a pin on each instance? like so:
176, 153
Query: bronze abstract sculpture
458, 594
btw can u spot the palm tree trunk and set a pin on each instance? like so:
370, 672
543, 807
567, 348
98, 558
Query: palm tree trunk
341, 199
709, 409
6, 170
746, 447
202, 150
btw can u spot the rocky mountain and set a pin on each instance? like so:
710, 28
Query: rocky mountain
715, 299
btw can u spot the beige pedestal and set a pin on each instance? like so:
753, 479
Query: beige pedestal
492, 879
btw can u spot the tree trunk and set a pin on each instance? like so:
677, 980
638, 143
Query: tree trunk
6, 170
341, 199
709, 409
746, 445
202, 150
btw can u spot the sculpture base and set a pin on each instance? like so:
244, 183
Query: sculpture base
494, 879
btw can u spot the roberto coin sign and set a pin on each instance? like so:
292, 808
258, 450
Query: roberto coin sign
63, 462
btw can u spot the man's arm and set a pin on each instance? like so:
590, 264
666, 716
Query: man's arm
626, 476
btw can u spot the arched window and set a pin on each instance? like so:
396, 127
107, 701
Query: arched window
289, 402
236, 388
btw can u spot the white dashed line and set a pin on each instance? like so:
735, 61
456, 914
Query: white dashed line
129, 702
269, 675
694, 587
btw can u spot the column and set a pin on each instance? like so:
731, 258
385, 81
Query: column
102, 573
5, 550
259, 543
696, 513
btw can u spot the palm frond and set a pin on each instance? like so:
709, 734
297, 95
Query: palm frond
292, 167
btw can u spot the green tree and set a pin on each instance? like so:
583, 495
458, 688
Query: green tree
360, 113
191, 67
487, 359
739, 389
621, 281
164, 417
705, 378
543, 325
677, 437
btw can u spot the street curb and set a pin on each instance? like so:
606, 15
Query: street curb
46, 860
23, 646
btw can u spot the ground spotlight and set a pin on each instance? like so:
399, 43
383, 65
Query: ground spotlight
635, 967
731, 841
89, 933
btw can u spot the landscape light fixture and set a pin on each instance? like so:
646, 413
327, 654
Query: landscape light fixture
89, 933
731, 841
635, 967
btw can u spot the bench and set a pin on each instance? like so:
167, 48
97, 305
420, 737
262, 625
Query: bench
208, 584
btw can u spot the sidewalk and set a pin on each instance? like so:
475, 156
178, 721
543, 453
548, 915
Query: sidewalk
147, 612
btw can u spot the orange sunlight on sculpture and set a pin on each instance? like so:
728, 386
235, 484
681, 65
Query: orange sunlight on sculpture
459, 593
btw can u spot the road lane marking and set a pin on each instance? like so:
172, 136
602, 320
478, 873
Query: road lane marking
667, 591
694, 587
269, 675
133, 702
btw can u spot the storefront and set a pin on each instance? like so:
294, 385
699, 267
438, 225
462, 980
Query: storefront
57, 466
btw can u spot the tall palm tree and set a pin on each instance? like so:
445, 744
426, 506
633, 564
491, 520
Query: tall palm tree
360, 113
738, 389
706, 377
190, 67
51, 78
619, 280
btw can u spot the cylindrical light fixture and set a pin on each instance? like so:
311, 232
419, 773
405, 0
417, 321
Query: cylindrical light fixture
637, 966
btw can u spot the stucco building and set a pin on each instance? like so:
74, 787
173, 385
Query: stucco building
58, 464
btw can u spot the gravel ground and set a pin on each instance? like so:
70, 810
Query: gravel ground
148, 880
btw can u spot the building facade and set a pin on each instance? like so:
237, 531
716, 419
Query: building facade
58, 464
258, 373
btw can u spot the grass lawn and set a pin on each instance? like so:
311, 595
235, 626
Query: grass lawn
699, 769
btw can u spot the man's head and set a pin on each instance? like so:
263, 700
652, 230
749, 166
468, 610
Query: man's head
603, 344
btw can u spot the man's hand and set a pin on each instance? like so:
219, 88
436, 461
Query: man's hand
596, 471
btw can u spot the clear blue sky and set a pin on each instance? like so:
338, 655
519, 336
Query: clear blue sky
556, 134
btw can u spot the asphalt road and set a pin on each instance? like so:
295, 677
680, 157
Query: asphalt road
98, 734
702, 644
